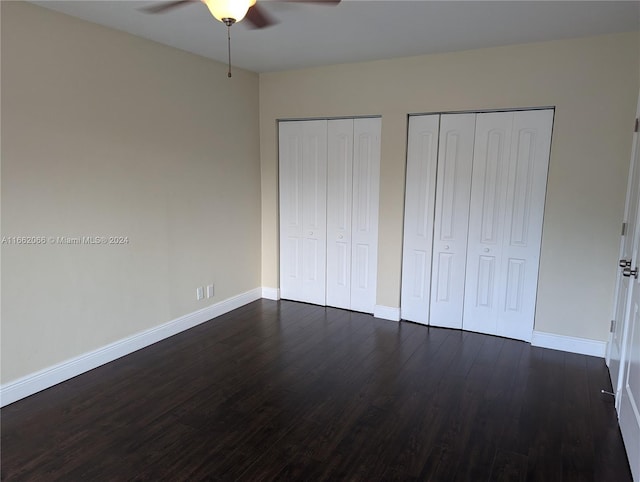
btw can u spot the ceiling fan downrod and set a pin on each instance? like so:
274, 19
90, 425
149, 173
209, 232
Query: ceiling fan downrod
229, 22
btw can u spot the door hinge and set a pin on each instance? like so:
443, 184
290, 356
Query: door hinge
613, 326
624, 229
635, 129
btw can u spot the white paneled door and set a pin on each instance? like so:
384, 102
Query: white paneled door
422, 160
628, 398
336, 202
365, 205
511, 160
616, 346
488, 200
473, 220
303, 198
451, 222
339, 207
623, 354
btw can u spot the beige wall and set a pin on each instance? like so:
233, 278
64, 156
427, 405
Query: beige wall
104, 133
592, 82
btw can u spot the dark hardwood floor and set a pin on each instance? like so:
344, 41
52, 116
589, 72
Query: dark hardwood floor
288, 391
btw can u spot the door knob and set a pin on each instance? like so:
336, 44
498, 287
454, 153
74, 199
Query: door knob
339, 236
624, 263
628, 272
486, 250
310, 233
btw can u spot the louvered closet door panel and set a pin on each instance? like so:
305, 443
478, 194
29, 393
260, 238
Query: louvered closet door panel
453, 186
303, 185
339, 206
422, 155
486, 221
364, 223
522, 234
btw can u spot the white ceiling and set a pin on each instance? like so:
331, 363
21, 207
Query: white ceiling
359, 30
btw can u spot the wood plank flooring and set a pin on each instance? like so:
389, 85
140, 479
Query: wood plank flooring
289, 391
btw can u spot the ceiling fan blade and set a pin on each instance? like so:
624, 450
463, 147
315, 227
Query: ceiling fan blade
319, 2
257, 17
164, 7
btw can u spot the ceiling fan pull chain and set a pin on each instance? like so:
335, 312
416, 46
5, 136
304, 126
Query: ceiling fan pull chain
229, 47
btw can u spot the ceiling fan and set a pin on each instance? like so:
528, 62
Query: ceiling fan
233, 11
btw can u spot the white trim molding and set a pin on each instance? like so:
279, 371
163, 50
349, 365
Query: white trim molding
386, 312
35, 382
583, 346
271, 293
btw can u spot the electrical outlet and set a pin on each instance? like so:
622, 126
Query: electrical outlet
210, 291
199, 293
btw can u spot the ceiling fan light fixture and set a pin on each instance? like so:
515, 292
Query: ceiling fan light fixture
224, 10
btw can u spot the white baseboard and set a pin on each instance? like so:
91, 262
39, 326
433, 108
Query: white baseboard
583, 346
271, 293
35, 382
386, 312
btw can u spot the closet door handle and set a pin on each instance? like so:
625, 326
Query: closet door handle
624, 263
628, 272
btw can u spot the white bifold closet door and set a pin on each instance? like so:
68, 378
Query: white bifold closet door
473, 220
303, 221
422, 160
352, 213
329, 185
439, 161
339, 213
511, 159
453, 186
